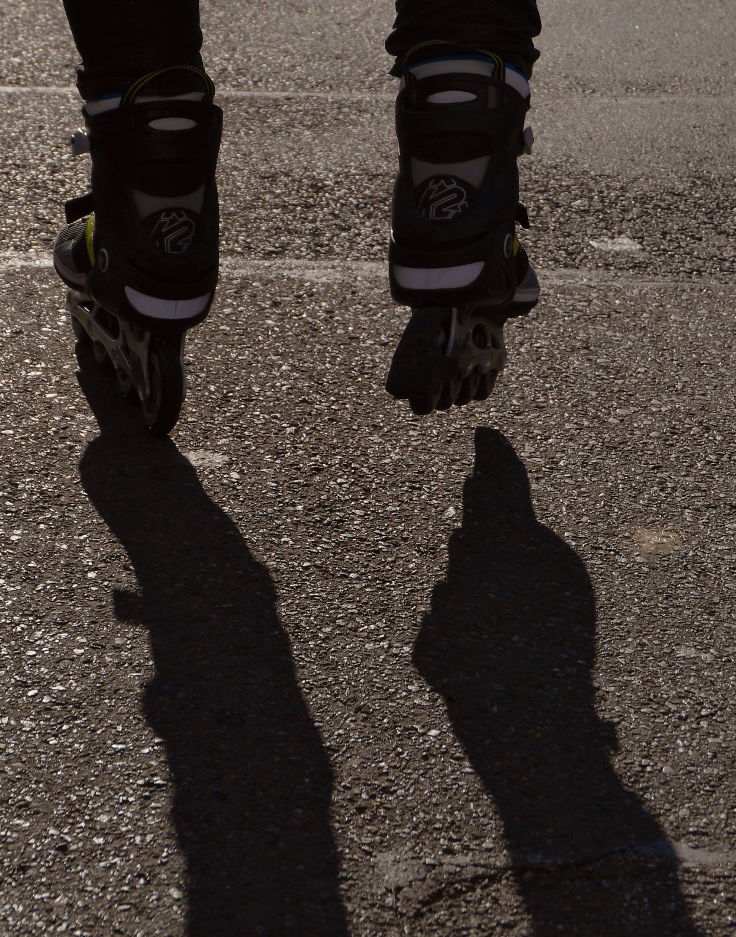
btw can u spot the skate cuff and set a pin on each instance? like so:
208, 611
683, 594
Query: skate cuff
463, 274
144, 299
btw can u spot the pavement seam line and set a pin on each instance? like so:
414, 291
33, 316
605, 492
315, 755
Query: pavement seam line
657, 97
348, 269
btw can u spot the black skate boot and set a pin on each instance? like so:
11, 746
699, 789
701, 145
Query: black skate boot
140, 253
454, 256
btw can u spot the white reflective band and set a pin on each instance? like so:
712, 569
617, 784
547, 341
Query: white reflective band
517, 82
156, 308
528, 290
526, 295
439, 278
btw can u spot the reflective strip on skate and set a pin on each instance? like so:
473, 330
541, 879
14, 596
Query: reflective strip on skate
156, 308
442, 278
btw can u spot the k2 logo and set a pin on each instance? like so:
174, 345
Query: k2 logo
174, 231
442, 198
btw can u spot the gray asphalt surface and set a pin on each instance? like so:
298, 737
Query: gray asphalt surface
315, 665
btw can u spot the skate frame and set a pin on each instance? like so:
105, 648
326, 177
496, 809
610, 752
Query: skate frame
126, 344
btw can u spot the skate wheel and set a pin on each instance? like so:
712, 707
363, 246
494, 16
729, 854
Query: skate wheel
80, 333
469, 389
102, 359
423, 404
486, 384
419, 367
126, 386
449, 394
161, 409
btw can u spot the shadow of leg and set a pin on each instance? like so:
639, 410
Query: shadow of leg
252, 780
510, 644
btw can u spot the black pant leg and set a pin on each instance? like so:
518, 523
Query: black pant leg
120, 40
505, 27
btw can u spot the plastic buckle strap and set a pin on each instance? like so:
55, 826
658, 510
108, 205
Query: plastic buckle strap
134, 90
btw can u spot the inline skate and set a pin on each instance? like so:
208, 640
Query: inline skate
140, 252
454, 257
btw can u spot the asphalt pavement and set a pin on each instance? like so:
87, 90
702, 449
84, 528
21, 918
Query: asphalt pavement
316, 666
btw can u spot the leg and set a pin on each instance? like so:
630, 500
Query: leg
140, 252
120, 41
506, 27
454, 256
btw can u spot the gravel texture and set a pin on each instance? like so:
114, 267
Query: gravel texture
314, 665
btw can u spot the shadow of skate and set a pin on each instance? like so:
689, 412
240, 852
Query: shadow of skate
252, 782
510, 644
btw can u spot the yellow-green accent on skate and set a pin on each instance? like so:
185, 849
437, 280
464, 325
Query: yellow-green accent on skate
89, 232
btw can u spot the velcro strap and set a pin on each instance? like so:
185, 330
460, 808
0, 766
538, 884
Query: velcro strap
77, 208
126, 136
453, 122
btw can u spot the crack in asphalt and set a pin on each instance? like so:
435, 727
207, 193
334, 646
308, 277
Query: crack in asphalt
402, 871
